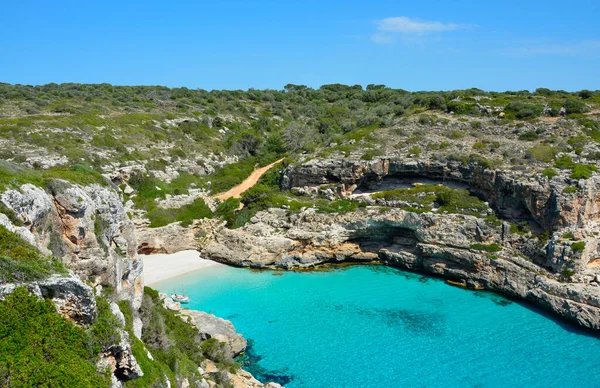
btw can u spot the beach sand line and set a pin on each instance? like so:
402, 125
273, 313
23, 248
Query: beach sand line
160, 267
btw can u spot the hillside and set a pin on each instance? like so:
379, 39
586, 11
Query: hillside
496, 191
176, 147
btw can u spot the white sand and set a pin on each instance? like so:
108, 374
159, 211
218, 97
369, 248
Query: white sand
162, 266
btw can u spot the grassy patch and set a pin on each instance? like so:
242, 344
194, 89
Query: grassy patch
570, 189
549, 173
486, 247
185, 214
543, 152
578, 246
426, 196
19, 261
12, 176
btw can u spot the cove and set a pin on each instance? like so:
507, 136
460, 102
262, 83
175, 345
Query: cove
374, 326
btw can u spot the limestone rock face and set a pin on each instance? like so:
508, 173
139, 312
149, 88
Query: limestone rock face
73, 299
174, 238
86, 227
239, 379
211, 326
439, 244
120, 361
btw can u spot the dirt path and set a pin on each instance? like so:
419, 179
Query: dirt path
236, 192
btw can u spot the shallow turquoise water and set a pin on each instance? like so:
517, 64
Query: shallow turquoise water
369, 326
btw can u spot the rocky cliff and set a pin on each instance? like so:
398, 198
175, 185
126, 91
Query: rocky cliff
546, 267
87, 228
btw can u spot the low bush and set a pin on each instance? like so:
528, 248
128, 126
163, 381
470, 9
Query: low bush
186, 214
575, 106
19, 261
543, 152
549, 173
40, 348
578, 246
486, 247
522, 110
529, 136
583, 171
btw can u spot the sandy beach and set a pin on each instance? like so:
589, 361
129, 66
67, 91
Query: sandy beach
167, 266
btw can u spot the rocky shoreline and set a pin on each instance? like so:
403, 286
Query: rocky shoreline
550, 272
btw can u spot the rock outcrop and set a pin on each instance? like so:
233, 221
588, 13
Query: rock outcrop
87, 228
209, 326
549, 273
73, 299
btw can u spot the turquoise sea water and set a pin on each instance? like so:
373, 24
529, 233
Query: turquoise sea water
370, 326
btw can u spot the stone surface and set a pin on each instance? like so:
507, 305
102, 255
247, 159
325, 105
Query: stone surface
73, 299
211, 326
86, 227
120, 360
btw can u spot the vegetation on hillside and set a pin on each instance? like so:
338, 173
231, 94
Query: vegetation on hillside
21, 262
176, 141
40, 348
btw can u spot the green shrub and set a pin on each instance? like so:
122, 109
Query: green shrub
570, 189
520, 227
543, 152
486, 247
415, 150
575, 106
549, 173
566, 274
19, 261
529, 136
369, 154
185, 214
522, 110
227, 210
104, 328
565, 162
578, 246
583, 171
40, 348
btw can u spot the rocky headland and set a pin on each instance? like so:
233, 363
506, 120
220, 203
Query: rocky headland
555, 267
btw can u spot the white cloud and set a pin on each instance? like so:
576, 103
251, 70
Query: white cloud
414, 26
387, 28
382, 38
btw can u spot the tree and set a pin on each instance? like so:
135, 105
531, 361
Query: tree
298, 136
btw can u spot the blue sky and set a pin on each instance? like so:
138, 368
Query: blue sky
435, 45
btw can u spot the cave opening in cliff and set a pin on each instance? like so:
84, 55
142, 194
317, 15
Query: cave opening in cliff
390, 237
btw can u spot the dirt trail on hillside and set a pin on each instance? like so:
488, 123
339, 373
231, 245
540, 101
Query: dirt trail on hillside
236, 192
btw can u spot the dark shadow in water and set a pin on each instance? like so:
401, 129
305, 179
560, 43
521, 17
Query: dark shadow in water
414, 321
560, 321
500, 299
250, 361
496, 298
